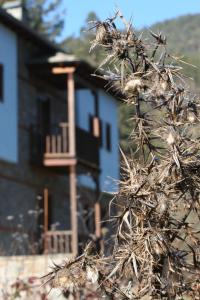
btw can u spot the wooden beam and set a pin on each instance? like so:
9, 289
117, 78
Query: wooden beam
59, 162
63, 70
71, 113
72, 169
73, 209
97, 209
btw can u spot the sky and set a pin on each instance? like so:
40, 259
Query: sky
143, 12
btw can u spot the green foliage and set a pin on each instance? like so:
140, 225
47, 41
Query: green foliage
183, 35
44, 16
80, 45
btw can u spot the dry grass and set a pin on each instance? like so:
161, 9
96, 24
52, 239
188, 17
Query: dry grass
156, 244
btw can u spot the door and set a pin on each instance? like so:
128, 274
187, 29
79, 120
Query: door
44, 117
43, 123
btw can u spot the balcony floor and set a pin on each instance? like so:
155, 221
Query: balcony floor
58, 161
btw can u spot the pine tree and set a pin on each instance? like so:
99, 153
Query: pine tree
44, 16
79, 45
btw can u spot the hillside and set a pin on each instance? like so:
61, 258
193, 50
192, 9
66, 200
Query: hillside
183, 36
183, 33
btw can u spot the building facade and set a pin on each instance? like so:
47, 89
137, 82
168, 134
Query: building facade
59, 145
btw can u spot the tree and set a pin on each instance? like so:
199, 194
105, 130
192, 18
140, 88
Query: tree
178, 30
80, 45
155, 251
43, 16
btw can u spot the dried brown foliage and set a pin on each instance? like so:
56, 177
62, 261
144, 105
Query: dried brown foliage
157, 226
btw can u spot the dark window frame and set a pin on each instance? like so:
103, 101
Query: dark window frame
1, 83
108, 137
91, 124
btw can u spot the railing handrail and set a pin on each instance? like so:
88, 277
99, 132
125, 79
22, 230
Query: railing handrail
58, 232
55, 144
63, 124
58, 241
51, 125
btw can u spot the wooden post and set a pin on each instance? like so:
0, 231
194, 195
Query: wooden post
97, 209
73, 209
71, 113
72, 150
72, 170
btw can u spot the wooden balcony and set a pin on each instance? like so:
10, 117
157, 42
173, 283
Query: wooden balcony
53, 149
57, 147
56, 242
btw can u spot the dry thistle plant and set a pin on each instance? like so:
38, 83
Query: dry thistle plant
155, 253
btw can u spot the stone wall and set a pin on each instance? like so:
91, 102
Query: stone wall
27, 268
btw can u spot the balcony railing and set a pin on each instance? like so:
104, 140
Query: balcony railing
53, 149
56, 242
57, 142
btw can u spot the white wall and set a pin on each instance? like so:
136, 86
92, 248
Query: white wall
109, 160
26, 267
8, 108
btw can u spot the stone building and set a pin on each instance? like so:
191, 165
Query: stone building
59, 144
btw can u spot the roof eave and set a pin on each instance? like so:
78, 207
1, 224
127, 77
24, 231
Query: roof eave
22, 29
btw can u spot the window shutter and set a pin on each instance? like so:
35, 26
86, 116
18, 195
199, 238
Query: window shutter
96, 127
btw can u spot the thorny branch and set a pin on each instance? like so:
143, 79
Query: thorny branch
157, 236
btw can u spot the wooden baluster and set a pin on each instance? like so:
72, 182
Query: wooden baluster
48, 145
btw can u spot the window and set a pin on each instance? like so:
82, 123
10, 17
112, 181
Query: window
1, 83
108, 137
